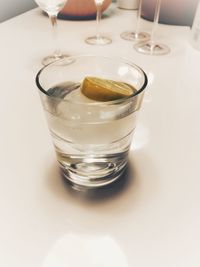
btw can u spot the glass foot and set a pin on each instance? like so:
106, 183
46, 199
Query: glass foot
149, 48
82, 182
50, 59
133, 36
98, 40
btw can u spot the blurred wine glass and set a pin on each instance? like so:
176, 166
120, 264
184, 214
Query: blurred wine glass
52, 8
98, 39
136, 36
151, 47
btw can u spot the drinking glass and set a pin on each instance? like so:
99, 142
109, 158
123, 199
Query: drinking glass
52, 8
98, 39
136, 35
91, 137
151, 47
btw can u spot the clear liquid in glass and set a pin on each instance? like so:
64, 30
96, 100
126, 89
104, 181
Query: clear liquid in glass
91, 141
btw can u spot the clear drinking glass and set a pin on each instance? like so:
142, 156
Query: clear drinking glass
91, 138
98, 39
151, 47
136, 36
52, 8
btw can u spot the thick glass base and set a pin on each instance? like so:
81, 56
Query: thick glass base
52, 58
98, 40
149, 48
93, 173
135, 37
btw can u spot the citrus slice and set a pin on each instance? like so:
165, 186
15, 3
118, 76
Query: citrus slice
105, 90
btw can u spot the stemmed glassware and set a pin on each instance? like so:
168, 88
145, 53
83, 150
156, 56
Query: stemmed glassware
151, 47
136, 35
98, 39
52, 8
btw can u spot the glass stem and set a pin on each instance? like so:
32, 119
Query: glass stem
155, 21
53, 19
138, 19
98, 19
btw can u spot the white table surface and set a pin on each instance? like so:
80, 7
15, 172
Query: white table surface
151, 219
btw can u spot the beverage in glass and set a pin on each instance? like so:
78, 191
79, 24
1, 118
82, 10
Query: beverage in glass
91, 130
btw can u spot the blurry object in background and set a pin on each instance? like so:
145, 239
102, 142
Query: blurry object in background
152, 47
98, 38
195, 33
136, 35
128, 4
81, 9
175, 12
10, 8
52, 8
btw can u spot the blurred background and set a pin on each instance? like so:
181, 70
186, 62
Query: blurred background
10, 8
180, 12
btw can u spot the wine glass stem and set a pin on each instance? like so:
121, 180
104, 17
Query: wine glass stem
53, 19
98, 19
138, 18
155, 21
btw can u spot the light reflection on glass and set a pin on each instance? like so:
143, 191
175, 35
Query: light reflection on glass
150, 76
123, 70
141, 137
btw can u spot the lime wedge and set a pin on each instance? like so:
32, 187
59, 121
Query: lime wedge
105, 90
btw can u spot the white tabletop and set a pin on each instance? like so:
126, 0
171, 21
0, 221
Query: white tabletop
151, 219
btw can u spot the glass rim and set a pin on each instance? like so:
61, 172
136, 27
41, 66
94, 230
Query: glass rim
111, 102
